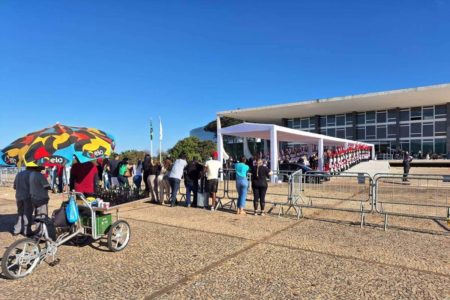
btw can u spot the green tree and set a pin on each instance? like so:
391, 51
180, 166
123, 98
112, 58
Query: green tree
133, 155
193, 147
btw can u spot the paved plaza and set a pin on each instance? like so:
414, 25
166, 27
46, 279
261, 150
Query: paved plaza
178, 253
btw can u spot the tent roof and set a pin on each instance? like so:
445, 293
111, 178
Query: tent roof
284, 134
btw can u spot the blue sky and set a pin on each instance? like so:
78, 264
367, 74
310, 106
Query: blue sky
116, 64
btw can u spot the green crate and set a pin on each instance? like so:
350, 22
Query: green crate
103, 223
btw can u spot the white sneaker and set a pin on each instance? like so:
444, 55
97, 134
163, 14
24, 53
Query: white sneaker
212, 208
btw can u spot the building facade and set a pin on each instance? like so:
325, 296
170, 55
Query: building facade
411, 120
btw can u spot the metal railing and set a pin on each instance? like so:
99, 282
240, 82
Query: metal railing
7, 175
417, 196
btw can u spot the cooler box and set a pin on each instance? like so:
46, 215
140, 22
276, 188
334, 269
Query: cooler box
103, 223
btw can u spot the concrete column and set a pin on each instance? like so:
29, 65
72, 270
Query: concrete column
219, 143
320, 154
448, 130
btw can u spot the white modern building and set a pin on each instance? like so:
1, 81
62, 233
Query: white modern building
414, 119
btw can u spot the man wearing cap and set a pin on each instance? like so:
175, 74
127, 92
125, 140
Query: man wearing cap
212, 169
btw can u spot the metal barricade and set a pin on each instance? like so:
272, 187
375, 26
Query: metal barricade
351, 192
7, 175
417, 196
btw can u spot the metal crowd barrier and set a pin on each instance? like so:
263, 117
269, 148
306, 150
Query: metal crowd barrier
7, 175
347, 191
421, 196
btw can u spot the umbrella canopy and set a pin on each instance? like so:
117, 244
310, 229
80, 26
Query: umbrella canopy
58, 145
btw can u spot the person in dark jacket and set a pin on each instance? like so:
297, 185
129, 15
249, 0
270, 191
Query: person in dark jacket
406, 165
147, 165
23, 201
260, 174
192, 174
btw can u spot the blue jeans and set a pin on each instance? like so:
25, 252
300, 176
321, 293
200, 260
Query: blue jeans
137, 180
242, 188
175, 186
191, 187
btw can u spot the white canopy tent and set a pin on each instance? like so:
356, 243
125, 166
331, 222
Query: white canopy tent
276, 134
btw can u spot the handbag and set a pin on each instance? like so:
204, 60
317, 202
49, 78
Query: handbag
72, 212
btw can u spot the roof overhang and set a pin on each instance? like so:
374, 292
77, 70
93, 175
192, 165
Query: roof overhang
420, 96
284, 134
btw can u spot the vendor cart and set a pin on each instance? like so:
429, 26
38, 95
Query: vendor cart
94, 223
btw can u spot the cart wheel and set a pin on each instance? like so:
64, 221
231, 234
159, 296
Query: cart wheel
21, 258
118, 236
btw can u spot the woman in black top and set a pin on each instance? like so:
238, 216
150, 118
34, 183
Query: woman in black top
260, 174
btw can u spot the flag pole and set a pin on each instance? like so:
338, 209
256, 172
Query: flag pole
151, 138
160, 141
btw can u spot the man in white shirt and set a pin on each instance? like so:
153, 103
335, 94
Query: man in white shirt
212, 168
175, 177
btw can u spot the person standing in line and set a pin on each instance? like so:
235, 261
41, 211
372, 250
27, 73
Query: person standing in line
241, 184
163, 181
106, 174
175, 177
212, 169
114, 169
152, 180
146, 165
84, 178
39, 188
406, 166
122, 173
191, 177
260, 174
137, 172
23, 202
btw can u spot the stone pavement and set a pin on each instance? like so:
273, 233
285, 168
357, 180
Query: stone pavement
181, 253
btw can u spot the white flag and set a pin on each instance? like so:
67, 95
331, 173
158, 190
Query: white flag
160, 130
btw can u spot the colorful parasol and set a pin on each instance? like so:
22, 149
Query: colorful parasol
57, 145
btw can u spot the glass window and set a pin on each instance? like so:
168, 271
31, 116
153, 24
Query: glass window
404, 115
323, 131
331, 132
440, 127
440, 146
381, 132
416, 146
427, 129
392, 115
370, 117
361, 118
370, 132
404, 145
361, 133
289, 123
427, 147
392, 131
416, 113
404, 131
440, 110
416, 130
323, 121
381, 117
340, 120
304, 123
428, 113
348, 119
312, 122
331, 120
340, 133
296, 123
349, 133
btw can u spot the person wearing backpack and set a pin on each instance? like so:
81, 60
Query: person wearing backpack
123, 170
